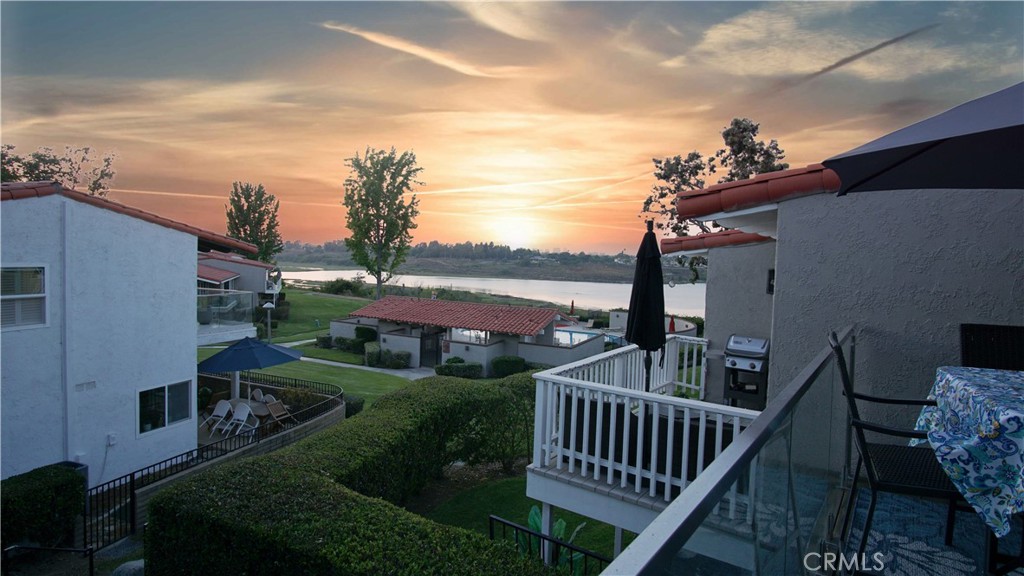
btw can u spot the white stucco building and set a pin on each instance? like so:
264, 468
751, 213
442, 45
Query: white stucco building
99, 331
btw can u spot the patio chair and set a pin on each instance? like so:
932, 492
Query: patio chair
279, 413
992, 346
221, 412
894, 468
269, 398
239, 418
256, 395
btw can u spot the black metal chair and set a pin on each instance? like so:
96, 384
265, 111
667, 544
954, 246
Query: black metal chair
1000, 347
894, 468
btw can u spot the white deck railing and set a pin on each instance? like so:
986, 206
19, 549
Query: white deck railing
595, 419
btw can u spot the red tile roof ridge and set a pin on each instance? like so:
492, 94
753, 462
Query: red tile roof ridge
710, 240
501, 318
20, 190
762, 189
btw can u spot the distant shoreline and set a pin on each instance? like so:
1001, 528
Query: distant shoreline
607, 274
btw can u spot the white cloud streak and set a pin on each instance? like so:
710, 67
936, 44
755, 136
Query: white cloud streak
432, 55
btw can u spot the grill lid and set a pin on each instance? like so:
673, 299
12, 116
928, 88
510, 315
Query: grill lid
747, 346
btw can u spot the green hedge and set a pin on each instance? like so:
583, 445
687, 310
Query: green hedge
469, 370
41, 505
313, 508
353, 405
372, 352
264, 517
353, 345
506, 366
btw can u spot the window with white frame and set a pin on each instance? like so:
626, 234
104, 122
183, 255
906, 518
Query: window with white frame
165, 405
22, 296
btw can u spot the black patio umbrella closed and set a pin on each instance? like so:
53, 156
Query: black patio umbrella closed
977, 145
645, 325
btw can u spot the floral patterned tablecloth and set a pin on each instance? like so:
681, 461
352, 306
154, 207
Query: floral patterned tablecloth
977, 432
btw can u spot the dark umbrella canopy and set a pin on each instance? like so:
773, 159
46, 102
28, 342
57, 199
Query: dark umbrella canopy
645, 325
248, 354
977, 145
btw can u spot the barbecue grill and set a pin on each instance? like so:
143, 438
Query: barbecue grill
746, 370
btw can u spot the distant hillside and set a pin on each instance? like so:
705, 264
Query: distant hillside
485, 260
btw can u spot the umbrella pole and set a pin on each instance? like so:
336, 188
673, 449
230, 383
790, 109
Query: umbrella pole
647, 371
234, 384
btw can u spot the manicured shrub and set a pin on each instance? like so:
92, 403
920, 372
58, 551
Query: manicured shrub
323, 341
372, 353
455, 360
319, 510
399, 360
353, 404
506, 366
366, 334
41, 505
304, 523
353, 345
470, 370
507, 435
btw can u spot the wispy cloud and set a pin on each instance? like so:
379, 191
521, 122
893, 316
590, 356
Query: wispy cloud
522, 20
432, 55
488, 187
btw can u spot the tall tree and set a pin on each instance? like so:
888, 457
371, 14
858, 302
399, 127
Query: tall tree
378, 218
743, 156
252, 218
74, 169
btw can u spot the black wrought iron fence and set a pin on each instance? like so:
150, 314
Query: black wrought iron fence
563, 556
110, 508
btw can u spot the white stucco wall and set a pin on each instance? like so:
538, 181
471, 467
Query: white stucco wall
129, 326
559, 355
907, 267
737, 302
346, 327
402, 343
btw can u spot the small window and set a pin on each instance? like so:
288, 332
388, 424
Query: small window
22, 297
160, 407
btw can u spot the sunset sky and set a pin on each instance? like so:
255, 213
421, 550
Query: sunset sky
535, 122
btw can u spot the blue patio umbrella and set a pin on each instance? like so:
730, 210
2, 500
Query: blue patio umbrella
645, 325
248, 354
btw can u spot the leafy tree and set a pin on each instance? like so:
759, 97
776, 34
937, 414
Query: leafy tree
743, 157
76, 167
252, 218
378, 219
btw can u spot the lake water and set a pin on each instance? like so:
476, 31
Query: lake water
682, 299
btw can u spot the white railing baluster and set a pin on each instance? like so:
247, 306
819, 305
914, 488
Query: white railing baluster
611, 388
600, 435
586, 433
670, 450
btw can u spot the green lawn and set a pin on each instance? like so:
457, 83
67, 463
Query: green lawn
507, 499
311, 351
369, 385
307, 308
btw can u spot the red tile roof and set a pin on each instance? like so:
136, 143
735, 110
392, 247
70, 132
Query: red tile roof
20, 190
710, 240
759, 190
520, 320
237, 259
215, 275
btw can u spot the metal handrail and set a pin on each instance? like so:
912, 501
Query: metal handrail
663, 538
555, 544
